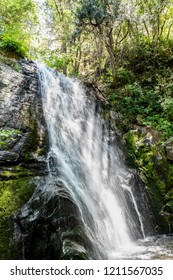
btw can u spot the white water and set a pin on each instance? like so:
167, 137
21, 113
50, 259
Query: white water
82, 157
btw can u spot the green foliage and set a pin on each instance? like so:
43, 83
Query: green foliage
16, 20
15, 11
123, 76
97, 12
7, 136
133, 100
161, 123
148, 61
107, 77
112, 32
167, 105
92, 12
156, 172
143, 86
10, 44
59, 63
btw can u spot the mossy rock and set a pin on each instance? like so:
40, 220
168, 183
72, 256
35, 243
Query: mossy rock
8, 138
15, 172
13, 194
10, 61
156, 173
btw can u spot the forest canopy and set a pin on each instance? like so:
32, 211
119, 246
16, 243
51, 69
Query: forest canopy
81, 30
125, 47
103, 30
17, 20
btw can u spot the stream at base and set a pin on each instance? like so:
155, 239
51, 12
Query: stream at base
159, 247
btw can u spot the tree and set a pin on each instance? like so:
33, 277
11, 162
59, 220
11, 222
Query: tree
156, 17
99, 16
16, 22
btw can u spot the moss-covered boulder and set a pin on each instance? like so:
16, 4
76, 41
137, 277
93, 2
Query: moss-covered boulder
146, 152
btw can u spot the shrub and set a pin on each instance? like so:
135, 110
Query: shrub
167, 105
12, 45
123, 76
161, 124
136, 100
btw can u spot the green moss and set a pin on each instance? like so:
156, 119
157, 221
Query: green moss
7, 137
33, 144
130, 148
155, 172
15, 172
170, 176
10, 61
167, 209
13, 194
36, 142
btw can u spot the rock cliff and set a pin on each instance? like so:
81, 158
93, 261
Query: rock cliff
23, 145
36, 220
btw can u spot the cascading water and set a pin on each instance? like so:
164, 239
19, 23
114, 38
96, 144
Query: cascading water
91, 168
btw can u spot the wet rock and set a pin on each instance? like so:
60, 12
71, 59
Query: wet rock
49, 226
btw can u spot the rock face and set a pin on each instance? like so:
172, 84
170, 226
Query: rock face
47, 224
152, 157
23, 134
23, 145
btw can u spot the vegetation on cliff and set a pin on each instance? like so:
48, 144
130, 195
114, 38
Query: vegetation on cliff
126, 49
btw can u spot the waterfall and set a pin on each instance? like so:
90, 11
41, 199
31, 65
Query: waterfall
85, 157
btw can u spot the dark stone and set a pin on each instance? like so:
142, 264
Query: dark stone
143, 204
48, 223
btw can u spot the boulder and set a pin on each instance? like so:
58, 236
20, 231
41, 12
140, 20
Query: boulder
49, 226
148, 135
168, 145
